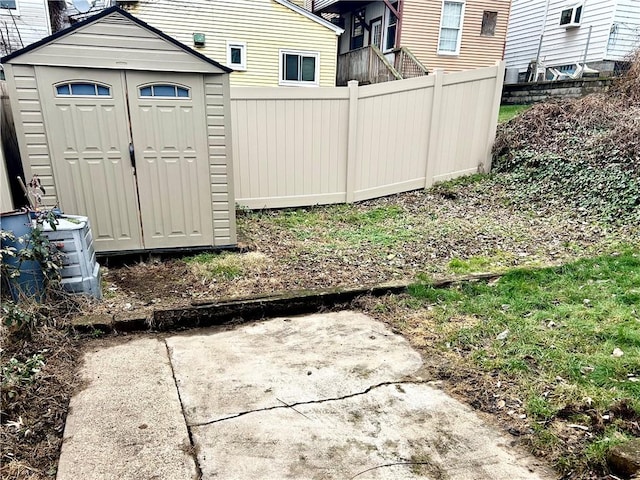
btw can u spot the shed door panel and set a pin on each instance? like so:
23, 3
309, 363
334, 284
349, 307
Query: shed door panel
89, 139
170, 138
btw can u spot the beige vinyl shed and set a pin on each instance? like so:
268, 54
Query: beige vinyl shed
129, 127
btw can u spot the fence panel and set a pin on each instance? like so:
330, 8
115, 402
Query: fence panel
306, 146
392, 137
465, 123
289, 146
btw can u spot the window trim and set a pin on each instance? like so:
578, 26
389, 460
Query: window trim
574, 10
76, 81
242, 66
162, 84
371, 22
386, 24
460, 28
11, 11
298, 83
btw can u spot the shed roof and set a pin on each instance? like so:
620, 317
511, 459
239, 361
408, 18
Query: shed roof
196, 63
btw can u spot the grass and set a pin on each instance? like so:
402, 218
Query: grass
553, 332
348, 225
507, 112
224, 266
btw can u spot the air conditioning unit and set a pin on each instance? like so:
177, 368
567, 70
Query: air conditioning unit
570, 17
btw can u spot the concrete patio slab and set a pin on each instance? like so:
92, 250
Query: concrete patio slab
127, 422
287, 360
327, 396
400, 431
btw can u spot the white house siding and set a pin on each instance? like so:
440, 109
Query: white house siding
264, 25
318, 4
31, 20
523, 34
30, 130
624, 36
560, 45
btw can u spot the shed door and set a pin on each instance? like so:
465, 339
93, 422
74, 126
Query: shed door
168, 122
164, 200
88, 131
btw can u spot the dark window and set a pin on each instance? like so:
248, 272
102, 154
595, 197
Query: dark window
308, 69
571, 16
578, 14
489, 20
236, 55
357, 29
291, 67
299, 67
83, 89
8, 4
163, 90
390, 40
565, 16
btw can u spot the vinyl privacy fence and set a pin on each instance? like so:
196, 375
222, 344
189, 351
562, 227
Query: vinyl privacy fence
308, 146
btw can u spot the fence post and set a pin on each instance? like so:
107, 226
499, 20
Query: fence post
434, 133
495, 112
351, 140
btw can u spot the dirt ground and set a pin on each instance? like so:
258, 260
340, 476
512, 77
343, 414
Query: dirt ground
320, 247
455, 230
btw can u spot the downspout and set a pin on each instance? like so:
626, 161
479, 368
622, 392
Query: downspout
544, 25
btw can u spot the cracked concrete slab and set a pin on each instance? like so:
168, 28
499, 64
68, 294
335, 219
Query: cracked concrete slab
127, 422
399, 431
286, 360
329, 396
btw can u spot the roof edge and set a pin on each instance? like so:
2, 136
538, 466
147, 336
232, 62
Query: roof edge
99, 16
311, 16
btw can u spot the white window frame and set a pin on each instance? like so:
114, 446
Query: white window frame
242, 66
572, 23
304, 53
10, 11
459, 42
386, 18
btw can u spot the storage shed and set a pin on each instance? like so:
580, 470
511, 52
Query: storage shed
129, 127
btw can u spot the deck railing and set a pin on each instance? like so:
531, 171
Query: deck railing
366, 65
408, 65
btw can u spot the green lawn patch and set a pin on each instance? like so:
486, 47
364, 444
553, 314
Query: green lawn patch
568, 337
507, 112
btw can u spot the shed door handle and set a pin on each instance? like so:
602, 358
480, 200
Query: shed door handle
132, 155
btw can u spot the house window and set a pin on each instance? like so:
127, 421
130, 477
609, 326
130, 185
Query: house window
164, 91
489, 20
237, 55
392, 23
9, 7
376, 32
357, 29
570, 17
299, 68
450, 28
82, 89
